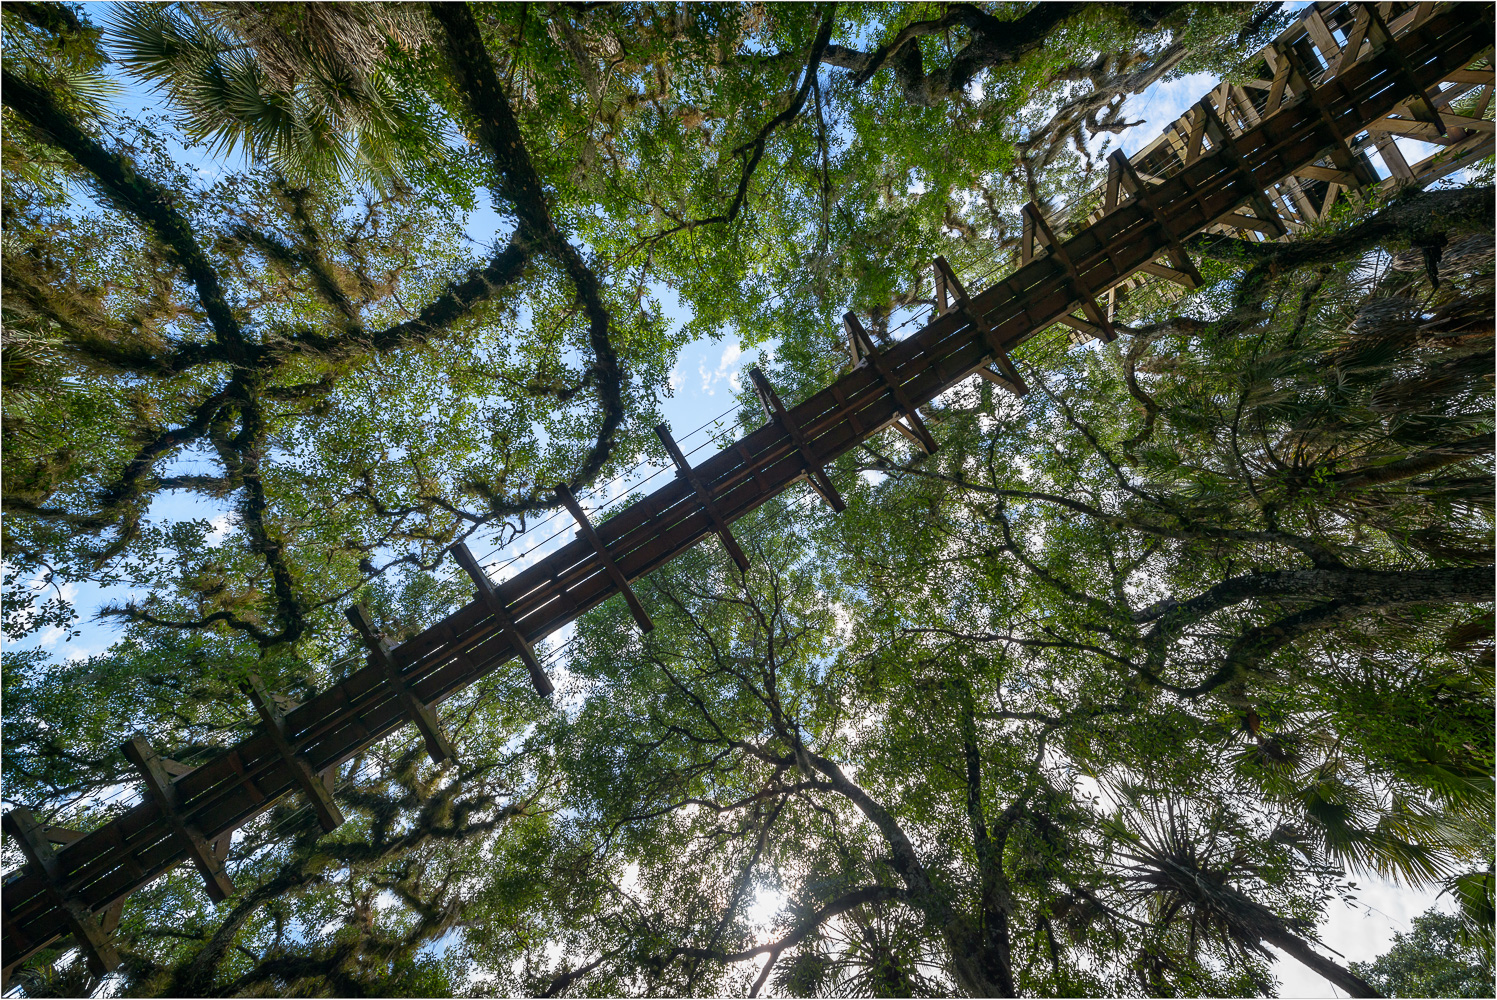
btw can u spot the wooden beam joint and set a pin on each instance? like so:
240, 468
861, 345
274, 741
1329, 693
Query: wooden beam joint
703, 496
862, 349
315, 787
208, 857
382, 656
92, 936
776, 412
489, 594
586, 530
951, 295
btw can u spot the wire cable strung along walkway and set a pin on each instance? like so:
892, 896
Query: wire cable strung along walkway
190, 812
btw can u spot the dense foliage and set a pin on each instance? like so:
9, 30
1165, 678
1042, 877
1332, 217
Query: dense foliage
1431, 960
1121, 687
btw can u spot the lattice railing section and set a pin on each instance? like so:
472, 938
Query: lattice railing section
74, 883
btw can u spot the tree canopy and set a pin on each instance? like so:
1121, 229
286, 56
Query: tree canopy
1116, 694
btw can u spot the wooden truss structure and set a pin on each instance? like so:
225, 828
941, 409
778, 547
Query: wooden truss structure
1261, 157
1296, 69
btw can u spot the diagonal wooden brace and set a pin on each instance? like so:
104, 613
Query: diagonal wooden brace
328, 813
1341, 154
861, 346
585, 529
159, 784
1184, 267
775, 411
704, 497
92, 936
1222, 141
948, 282
382, 655
1079, 288
1386, 47
489, 594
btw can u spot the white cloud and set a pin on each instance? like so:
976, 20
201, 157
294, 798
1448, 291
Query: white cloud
220, 527
726, 371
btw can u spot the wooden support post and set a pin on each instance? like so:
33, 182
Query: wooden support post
1222, 142
1007, 375
1110, 195
1079, 288
862, 349
92, 937
316, 788
1383, 44
704, 496
489, 594
382, 654
209, 858
775, 411
585, 529
1185, 272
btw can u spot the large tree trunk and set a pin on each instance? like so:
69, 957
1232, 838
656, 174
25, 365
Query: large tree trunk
1298, 947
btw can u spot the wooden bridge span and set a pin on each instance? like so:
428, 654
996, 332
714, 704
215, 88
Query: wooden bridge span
1259, 159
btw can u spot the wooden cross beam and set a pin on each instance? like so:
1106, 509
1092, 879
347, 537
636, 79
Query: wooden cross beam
585, 529
382, 654
703, 495
92, 936
1184, 271
209, 858
1268, 221
951, 294
862, 349
317, 789
776, 412
489, 594
1079, 288
1341, 153
1384, 45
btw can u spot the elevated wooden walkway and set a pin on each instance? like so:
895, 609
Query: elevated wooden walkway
1261, 159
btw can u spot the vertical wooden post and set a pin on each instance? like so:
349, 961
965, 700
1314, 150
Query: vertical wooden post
704, 497
512, 634
776, 411
862, 345
209, 858
1010, 378
438, 747
586, 530
316, 790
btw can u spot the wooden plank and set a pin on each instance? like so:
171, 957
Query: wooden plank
1316, 173
605, 558
159, 784
512, 634
438, 746
328, 813
704, 497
